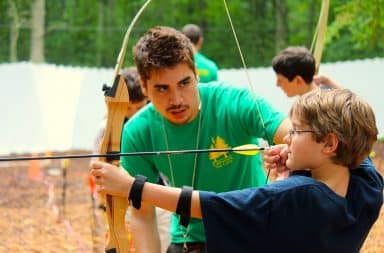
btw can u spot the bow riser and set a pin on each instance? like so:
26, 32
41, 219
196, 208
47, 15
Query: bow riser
117, 100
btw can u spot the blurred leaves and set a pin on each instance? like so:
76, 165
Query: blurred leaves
90, 33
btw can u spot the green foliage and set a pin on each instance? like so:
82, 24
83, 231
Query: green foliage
90, 33
302, 21
21, 20
4, 37
357, 27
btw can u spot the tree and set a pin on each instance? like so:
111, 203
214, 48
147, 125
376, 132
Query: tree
18, 19
357, 28
13, 31
86, 33
364, 20
37, 31
281, 33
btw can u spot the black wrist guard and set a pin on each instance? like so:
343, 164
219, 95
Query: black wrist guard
184, 205
137, 191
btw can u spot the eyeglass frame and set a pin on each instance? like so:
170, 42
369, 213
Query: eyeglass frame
291, 132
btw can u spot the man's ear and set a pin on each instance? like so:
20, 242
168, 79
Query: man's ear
331, 142
143, 86
299, 80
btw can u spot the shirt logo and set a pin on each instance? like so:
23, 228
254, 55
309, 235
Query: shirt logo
203, 72
219, 159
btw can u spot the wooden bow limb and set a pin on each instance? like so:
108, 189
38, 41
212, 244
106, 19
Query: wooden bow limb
318, 41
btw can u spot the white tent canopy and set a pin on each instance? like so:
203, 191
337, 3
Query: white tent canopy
55, 108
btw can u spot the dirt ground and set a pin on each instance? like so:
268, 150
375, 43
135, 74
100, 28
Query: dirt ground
43, 209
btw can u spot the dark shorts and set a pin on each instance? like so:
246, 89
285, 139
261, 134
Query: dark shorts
193, 247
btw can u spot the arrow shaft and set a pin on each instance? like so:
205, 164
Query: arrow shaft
143, 153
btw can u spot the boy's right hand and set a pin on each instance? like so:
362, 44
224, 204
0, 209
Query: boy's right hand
274, 158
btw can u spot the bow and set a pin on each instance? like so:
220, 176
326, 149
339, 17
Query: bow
317, 45
117, 99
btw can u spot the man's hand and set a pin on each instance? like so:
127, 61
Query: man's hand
110, 179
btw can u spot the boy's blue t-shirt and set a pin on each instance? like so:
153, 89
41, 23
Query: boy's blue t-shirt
298, 214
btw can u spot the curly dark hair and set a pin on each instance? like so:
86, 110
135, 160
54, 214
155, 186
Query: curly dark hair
162, 47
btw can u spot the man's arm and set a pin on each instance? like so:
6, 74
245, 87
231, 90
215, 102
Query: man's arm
144, 229
282, 131
274, 158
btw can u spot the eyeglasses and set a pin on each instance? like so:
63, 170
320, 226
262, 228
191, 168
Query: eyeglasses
291, 132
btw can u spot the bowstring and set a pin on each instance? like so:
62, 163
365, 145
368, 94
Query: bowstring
245, 68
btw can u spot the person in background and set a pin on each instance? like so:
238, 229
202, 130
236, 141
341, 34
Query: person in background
329, 206
295, 72
206, 68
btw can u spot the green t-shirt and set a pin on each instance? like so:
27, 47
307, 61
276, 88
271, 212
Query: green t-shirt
229, 118
206, 68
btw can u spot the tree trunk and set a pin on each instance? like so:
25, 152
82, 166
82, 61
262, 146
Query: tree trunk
281, 35
100, 33
37, 31
13, 31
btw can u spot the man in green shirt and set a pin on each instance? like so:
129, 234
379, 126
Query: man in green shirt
206, 68
185, 114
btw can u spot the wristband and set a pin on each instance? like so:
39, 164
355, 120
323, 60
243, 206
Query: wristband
184, 205
137, 191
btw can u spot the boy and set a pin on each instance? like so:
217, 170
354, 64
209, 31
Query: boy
295, 72
328, 207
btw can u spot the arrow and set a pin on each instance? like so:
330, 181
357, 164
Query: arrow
247, 149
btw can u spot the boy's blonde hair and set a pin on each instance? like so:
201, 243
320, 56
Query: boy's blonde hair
343, 113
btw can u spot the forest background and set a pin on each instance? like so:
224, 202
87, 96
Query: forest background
90, 33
